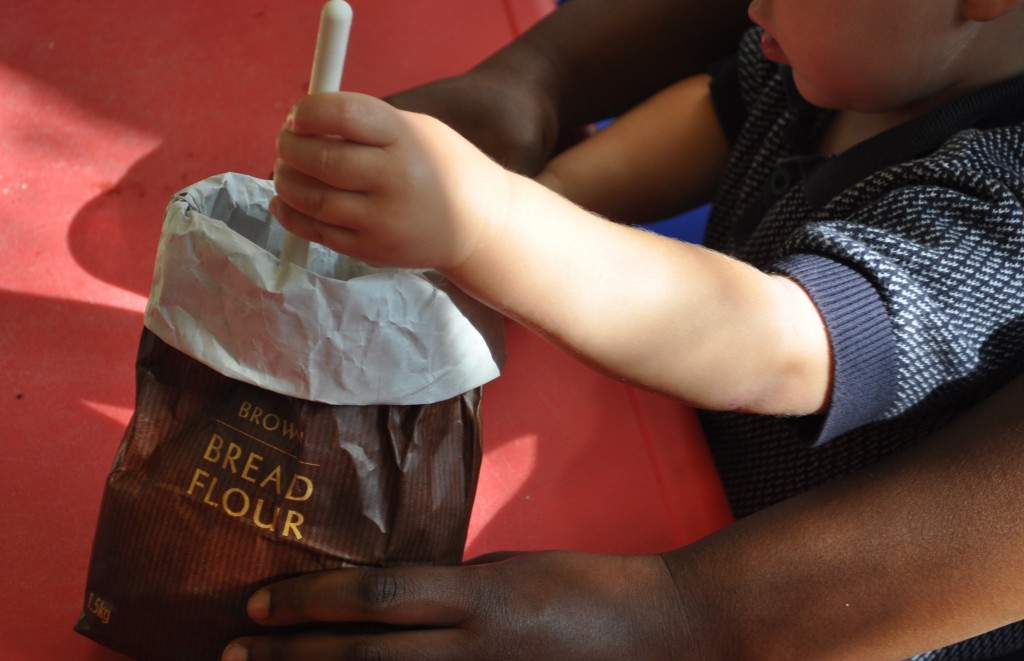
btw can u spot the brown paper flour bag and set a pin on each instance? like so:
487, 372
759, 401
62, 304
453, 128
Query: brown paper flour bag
229, 478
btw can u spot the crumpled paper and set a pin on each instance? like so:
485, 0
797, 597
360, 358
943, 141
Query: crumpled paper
338, 331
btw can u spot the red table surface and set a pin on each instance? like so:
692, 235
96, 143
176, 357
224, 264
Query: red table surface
108, 108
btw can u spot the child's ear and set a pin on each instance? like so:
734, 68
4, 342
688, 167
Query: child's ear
986, 10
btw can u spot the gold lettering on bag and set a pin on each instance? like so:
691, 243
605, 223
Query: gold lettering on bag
98, 607
251, 466
291, 524
222, 457
270, 422
273, 477
272, 524
306, 490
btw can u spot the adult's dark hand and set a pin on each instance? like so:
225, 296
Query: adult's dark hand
552, 605
505, 116
919, 551
585, 62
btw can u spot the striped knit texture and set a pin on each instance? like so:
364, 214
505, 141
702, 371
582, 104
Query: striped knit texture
940, 239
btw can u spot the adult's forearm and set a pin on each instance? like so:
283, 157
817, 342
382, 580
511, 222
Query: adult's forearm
662, 157
600, 57
589, 60
917, 553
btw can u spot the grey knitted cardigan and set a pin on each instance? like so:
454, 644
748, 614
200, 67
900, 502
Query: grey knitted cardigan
911, 244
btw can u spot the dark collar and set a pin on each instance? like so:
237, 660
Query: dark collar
1001, 104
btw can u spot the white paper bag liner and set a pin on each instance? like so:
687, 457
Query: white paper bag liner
340, 332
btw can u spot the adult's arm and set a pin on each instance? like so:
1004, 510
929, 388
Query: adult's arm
589, 60
915, 553
662, 157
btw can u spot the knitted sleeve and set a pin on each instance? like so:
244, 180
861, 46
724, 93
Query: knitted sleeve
941, 239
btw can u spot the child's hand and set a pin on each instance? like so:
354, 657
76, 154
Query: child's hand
384, 186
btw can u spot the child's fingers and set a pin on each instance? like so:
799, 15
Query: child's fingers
355, 117
338, 239
315, 200
340, 163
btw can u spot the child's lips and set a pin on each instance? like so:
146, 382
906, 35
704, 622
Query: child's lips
772, 50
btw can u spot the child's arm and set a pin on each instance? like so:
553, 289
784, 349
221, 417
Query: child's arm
663, 157
405, 190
